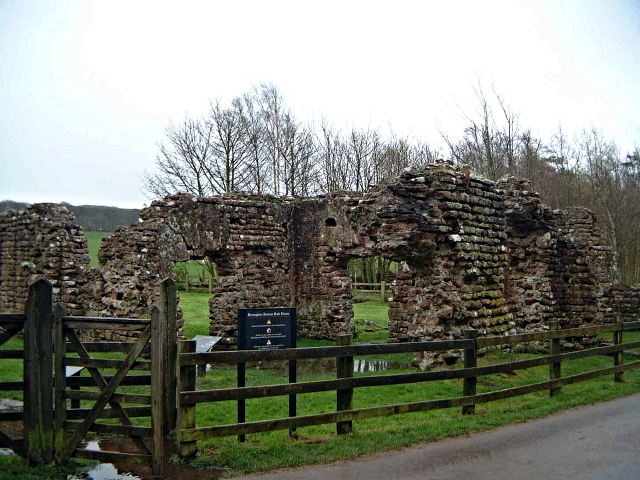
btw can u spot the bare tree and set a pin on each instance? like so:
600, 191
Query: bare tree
254, 143
527, 161
424, 154
227, 168
487, 147
299, 169
363, 149
273, 116
509, 135
630, 228
332, 159
183, 164
397, 154
604, 177
566, 185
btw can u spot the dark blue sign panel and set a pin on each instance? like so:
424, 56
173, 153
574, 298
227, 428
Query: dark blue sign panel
266, 328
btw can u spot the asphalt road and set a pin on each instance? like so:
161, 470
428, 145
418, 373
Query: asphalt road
596, 442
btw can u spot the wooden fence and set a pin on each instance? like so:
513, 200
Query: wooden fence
379, 288
54, 341
188, 398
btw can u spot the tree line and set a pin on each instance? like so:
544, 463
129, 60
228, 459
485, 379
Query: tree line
257, 144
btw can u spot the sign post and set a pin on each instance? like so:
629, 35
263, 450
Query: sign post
266, 329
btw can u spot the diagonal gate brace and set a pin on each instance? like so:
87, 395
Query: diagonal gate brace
8, 334
102, 384
108, 392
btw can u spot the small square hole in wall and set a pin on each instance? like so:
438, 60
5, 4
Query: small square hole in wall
331, 222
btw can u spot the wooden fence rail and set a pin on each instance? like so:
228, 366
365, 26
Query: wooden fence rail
321, 352
380, 288
188, 398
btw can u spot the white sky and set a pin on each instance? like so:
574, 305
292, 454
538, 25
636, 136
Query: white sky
87, 88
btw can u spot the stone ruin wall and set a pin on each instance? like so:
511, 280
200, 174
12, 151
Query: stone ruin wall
44, 241
558, 267
624, 302
472, 253
446, 229
245, 235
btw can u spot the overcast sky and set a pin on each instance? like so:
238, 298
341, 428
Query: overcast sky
87, 88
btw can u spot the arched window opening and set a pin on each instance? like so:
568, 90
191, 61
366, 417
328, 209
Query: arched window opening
371, 279
197, 280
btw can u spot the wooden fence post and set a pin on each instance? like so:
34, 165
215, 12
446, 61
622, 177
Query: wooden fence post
618, 357
344, 367
382, 291
38, 374
158, 343
60, 349
555, 368
169, 310
470, 361
186, 411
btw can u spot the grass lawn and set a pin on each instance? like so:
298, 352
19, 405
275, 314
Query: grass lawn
195, 268
94, 240
14, 467
372, 315
195, 310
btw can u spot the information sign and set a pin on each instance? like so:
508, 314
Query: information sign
266, 328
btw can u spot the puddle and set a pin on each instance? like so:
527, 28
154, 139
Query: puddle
8, 404
322, 366
366, 366
104, 471
109, 471
13, 429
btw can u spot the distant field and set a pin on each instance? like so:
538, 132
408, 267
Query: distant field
95, 240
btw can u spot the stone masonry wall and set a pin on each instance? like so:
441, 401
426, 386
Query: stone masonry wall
245, 235
445, 228
43, 241
584, 269
624, 302
471, 253
558, 267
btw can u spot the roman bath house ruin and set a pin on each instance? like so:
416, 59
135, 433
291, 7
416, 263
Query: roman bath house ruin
470, 253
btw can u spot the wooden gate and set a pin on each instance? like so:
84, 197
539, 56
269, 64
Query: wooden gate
55, 431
